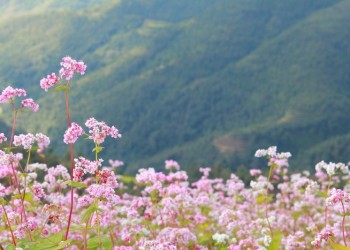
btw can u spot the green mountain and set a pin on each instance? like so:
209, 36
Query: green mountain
203, 82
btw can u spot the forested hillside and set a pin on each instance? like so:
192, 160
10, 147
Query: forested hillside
203, 82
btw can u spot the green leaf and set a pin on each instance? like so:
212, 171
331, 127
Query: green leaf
262, 199
10, 247
128, 179
276, 241
93, 243
61, 88
62, 245
22, 175
336, 246
90, 210
34, 149
98, 149
2, 201
55, 238
75, 184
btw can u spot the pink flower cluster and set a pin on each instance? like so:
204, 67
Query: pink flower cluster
322, 236
29, 103
100, 130
2, 138
116, 163
84, 166
49, 81
9, 93
27, 140
70, 66
171, 164
337, 196
72, 133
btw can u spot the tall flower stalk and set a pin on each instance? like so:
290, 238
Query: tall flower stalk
69, 67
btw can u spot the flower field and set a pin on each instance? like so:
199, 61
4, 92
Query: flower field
86, 205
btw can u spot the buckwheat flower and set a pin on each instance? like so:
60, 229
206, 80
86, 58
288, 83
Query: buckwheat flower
324, 235
9, 93
255, 172
29, 103
205, 172
283, 155
220, 238
84, 201
70, 66
279, 162
312, 188
78, 173
49, 81
20, 233
270, 152
107, 177
32, 224
336, 196
42, 140
157, 245
116, 163
331, 167
2, 138
260, 153
100, 130
100, 191
34, 166
38, 191
123, 248
72, 133
88, 166
26, 141
171, 164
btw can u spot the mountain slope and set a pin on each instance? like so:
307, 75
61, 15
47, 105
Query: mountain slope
204, 82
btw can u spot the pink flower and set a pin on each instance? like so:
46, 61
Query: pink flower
100, 191
2, 138
116, 163
171, 164
70, 66
29, 103
72, 133
100, 130
254, 172
88, 166
324, 235
9, 93
24, 140
38, 191
49, 81
42, 140
78, 174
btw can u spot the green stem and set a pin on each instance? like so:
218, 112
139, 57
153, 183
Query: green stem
266, 201
325, 205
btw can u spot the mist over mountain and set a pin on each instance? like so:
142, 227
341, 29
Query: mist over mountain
202, 82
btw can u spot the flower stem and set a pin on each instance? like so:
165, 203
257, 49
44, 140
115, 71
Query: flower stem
9, 224
325, 205
266, 201
343, 224
13, 126
71, 152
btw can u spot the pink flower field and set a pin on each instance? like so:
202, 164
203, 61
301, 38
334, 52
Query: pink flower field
86, 205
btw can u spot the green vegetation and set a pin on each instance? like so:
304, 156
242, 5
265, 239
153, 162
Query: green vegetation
201, 81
